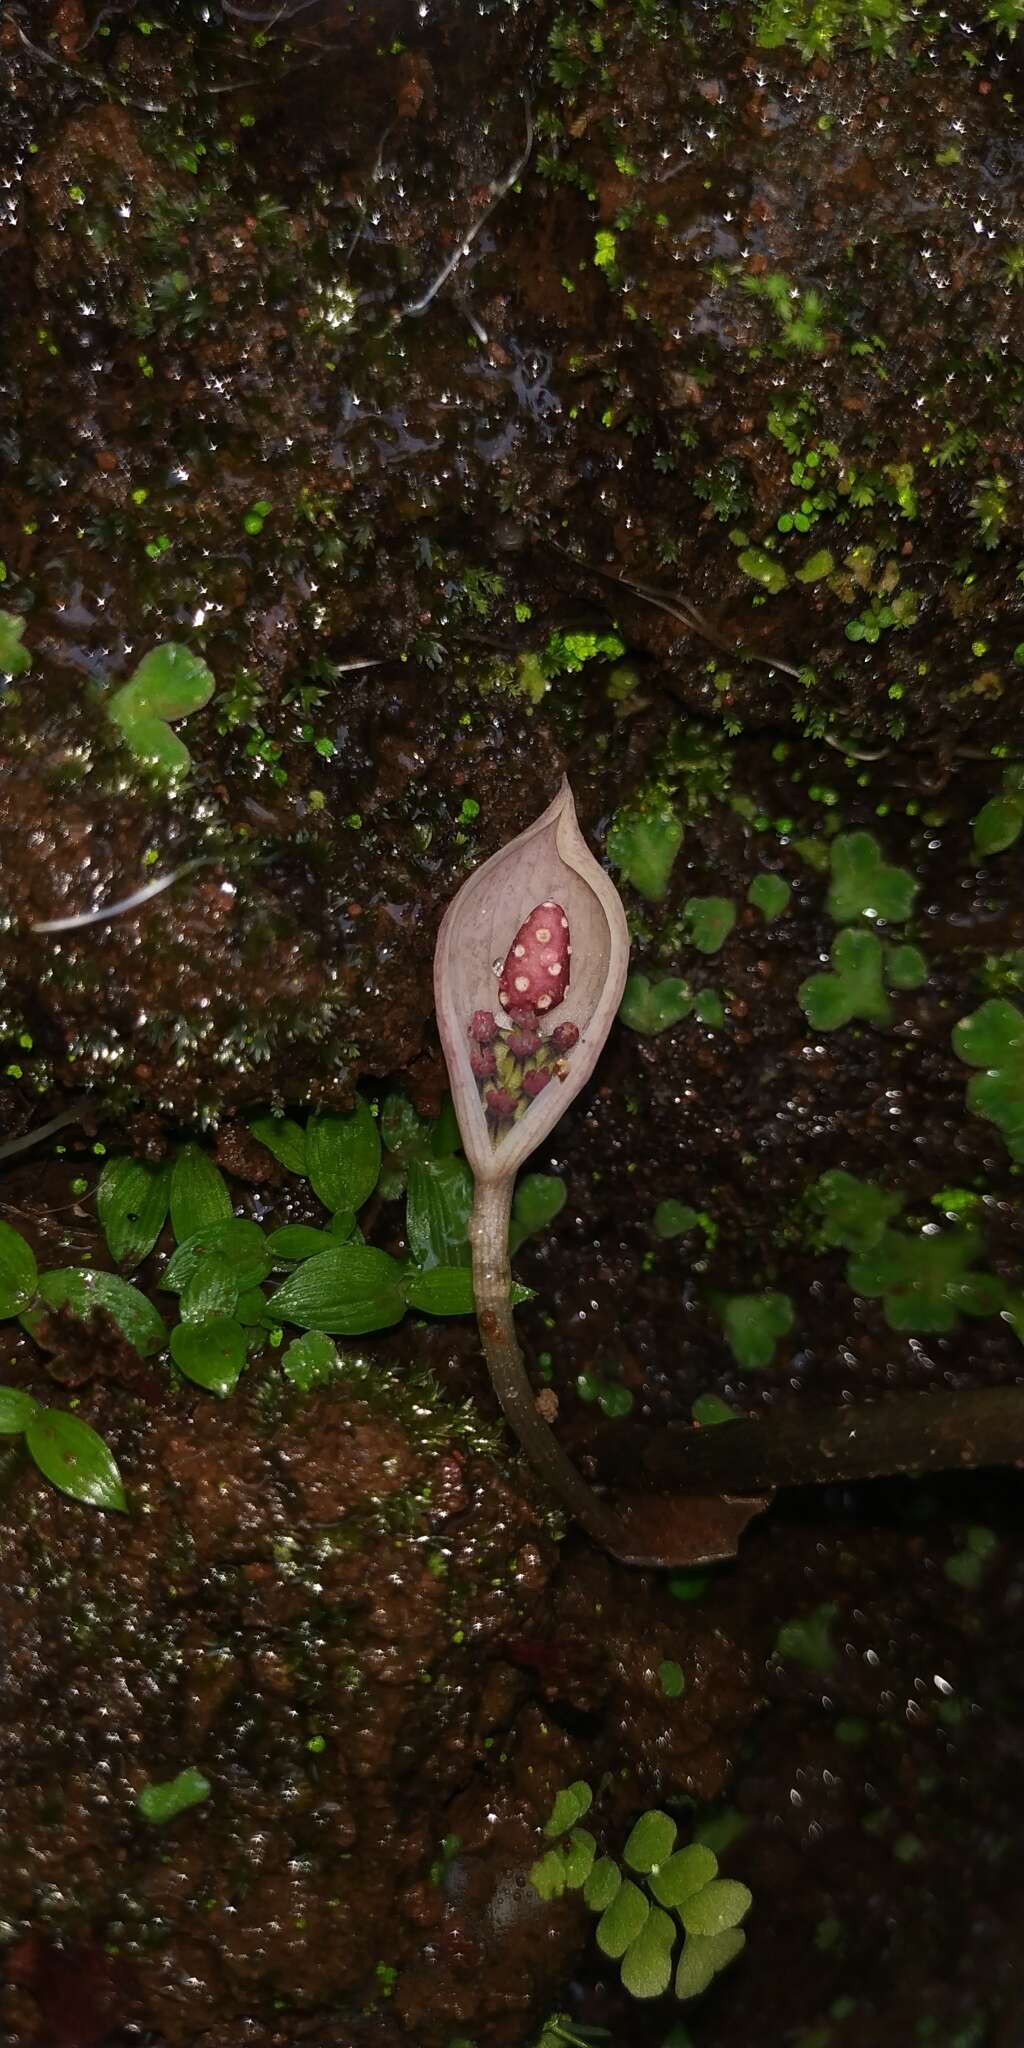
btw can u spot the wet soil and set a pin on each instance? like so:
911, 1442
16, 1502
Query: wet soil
228, 419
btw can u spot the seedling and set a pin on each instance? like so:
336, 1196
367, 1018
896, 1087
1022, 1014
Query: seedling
641, 1914
853, 989
999, 823
15, 660
864, 884
770, 895
854, 1213
169, 684
926, 1281
754, 1327
992, 1038
709, 919
652, 1006
643, 843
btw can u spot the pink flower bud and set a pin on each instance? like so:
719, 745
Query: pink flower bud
483, 1028
483, 1062
564, 1037
500, 1103
535, 1080
522, 1041
536, 970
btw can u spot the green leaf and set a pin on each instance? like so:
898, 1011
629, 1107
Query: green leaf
816, 566
674, 1219
444, 1291
708, 1009
83, 1290
993, 1038
301, 1241
343, 1157
408, 1136
15, 660
651, 1841
853, 989
998, 824
161, 1803
770, 895
211, 1354
764, 569
720, 1906
643, 844
547, 1875
199, 1195
132, 1201
647, 1964
652, 1006
571, 1803
18, 1273
854, 1213
672, 1678
710, 920
284, 1140
708, 1410
602, 1884
539, 1198
238, 1240
16, 1411
702, 1958
212, 1290
921, 1278
864, 884
905, 967
438, 1208
754, 1324
347, 1292
171, 682
685, 1873
623, 1920
310, 1361
809, 1641
579, 1854
73, 1457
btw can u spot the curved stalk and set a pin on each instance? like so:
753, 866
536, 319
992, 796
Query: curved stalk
492, 1289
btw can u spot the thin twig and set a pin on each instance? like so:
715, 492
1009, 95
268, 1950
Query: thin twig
498, 191
108, 911
36, 1137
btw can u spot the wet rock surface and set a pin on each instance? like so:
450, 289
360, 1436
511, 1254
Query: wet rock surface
744, 329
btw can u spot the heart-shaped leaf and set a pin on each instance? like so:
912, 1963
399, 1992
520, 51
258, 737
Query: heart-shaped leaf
643, 844
710, 920
652, 1006
74, 1458
15, 660
169, 683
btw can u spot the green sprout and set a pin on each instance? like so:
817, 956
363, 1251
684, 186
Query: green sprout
926, 1279
854, 1213
992, 1038
754, 1326
169, 684
769, 894
15, 660
709, 921
643, 842
852, 990
641, 1915
864, 884
652, 1006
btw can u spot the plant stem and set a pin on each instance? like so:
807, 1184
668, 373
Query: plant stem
492, 1289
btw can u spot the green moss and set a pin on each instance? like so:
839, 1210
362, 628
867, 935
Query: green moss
763, 568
